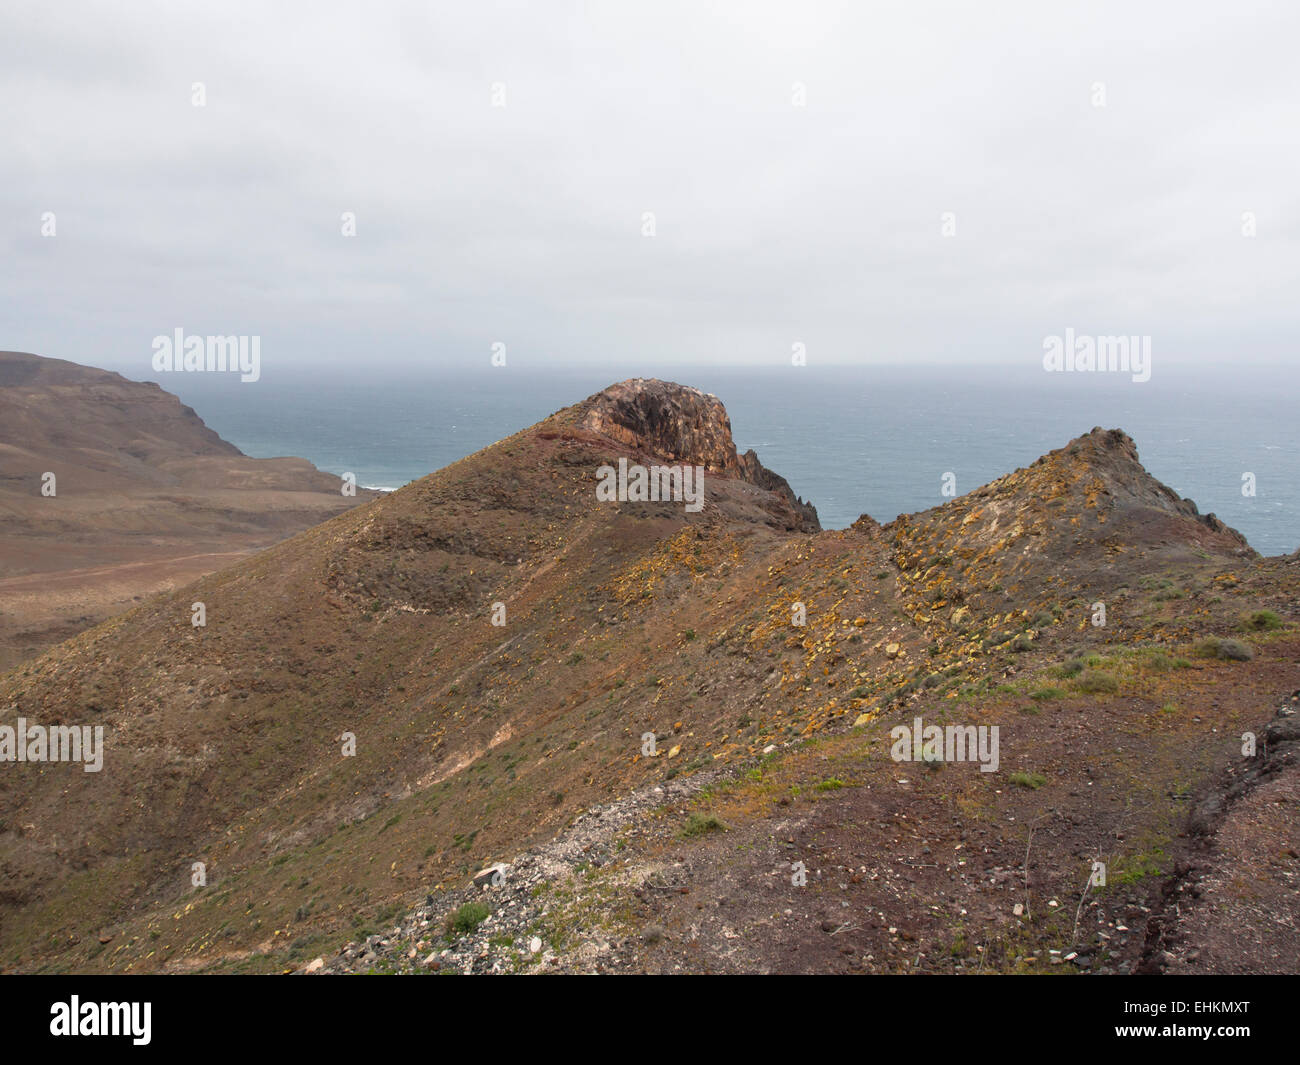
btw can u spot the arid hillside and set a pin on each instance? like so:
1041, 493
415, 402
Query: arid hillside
144, 498
655, 715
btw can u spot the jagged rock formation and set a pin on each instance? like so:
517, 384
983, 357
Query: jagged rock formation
683, 424
1113, 455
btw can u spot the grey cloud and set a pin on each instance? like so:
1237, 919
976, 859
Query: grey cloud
774, 223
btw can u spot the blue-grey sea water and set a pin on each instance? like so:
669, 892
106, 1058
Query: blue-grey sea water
874, 440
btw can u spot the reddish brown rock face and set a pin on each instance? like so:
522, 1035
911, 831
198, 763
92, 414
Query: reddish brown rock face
683, 424
679, 423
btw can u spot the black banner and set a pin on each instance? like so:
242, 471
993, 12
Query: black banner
205, 1014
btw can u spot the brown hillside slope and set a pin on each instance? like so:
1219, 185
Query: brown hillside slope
474, 741
147, 498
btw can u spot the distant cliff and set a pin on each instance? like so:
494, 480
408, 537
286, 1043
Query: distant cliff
145, 497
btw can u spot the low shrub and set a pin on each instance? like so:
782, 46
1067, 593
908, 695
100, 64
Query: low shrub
1097, 682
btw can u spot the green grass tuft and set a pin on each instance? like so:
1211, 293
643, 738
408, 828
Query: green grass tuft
1098, 682
1261, 621
699, 824
467, 918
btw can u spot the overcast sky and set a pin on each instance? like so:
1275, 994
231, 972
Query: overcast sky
774, 223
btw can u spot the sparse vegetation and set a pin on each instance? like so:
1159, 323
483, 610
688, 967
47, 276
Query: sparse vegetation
699, 824
1097, 682
1261, 621
1229, 650
467, 918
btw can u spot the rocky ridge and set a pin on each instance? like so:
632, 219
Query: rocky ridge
767, 662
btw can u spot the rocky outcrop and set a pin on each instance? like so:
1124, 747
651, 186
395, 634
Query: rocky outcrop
680, 423
683, 424
1113, 455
